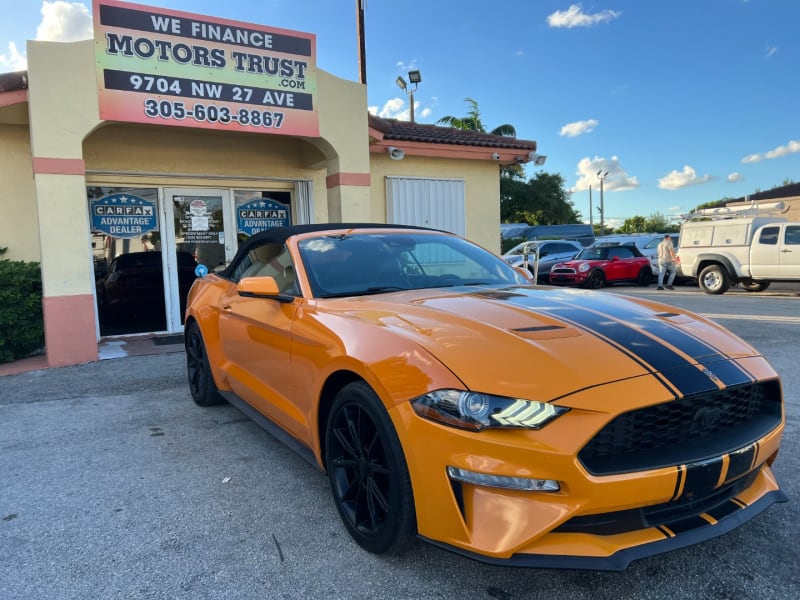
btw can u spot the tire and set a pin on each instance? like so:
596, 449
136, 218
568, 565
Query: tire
595, 280
645, 277
754, 286
201, 382
367, 471
714, 279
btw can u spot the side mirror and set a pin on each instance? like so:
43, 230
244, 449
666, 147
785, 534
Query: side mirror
261, 287
614, 258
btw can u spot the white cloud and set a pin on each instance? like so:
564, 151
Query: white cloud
14, 60
578, 128
771, 51
617, 179
397, 108
791, 148
64, 22
681, 179
575, 17
61, 22
735, 177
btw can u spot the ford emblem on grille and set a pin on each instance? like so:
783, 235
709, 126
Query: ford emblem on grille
706, 418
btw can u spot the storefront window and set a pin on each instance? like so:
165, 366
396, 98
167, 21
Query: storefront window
126, 249
257, 211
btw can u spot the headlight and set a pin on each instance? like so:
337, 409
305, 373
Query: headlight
476, 411
584, 267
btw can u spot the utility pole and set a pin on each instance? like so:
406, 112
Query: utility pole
602, 177
362, 47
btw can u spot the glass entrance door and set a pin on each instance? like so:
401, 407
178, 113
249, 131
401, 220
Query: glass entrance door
204, 240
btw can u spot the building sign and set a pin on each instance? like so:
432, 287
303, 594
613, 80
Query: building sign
167, 67
123, 216
260, 214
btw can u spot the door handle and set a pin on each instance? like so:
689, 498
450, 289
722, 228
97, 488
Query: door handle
785, 250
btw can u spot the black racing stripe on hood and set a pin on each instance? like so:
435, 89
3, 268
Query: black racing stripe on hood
679, 372
724, 368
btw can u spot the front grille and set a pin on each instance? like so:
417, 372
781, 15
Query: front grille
685, 430
716, 502
563, 270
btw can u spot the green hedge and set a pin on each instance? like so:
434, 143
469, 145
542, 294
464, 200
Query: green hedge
21, 321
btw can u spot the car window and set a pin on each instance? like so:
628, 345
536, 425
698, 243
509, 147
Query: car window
792, 236
269, 260
769, 236
345, 265
620, 252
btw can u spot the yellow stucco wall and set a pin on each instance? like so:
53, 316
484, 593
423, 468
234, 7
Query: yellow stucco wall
481, 188
19, 225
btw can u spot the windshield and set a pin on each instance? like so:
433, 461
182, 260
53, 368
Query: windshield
593, 253
372, 263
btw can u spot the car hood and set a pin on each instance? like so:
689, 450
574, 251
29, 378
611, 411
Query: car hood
546, 343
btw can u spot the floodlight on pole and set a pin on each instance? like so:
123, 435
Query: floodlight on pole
414, 77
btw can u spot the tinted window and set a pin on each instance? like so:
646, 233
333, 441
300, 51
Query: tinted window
769, 235
792, 235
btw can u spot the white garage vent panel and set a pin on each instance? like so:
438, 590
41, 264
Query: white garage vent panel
436, 203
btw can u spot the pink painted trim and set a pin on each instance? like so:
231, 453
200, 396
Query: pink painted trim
59, 166
15, 97
69, 330
355, 179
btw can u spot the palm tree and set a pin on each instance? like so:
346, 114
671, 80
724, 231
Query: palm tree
472, 122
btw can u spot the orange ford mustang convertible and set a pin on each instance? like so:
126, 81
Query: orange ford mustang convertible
449, 400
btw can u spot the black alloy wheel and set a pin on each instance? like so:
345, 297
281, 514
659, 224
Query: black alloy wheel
645, 277
201, 382
368, 474
595, 280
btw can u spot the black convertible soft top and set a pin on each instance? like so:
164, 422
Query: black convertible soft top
279, 235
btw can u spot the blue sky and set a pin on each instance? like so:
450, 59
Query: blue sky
681, 102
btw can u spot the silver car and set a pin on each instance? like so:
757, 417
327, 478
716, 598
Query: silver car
548, 252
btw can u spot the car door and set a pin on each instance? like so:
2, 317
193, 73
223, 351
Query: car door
618, 266
256, 337
765, 252
790, 253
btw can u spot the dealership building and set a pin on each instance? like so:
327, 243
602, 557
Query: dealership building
136, 161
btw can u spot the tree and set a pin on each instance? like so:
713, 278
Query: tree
542, 200
472, 122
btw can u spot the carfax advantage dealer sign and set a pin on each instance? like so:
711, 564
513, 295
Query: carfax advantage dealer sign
173, 68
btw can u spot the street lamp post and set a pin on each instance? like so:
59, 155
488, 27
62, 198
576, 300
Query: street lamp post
602, 177
414, 78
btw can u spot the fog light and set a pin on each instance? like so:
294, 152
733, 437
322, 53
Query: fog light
499, 481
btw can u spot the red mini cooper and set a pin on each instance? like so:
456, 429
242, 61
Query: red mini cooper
595, 267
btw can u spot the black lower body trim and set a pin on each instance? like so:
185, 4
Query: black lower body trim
272, 428
619, 561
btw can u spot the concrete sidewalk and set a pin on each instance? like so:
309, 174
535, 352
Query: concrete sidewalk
108, 348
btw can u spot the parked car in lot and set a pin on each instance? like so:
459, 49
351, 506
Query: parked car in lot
541, 256
597, 266
448, 399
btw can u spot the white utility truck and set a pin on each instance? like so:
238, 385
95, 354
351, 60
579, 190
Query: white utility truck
752, 246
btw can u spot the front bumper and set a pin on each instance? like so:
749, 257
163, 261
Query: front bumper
594, 521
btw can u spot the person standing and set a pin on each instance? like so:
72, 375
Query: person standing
666, 263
